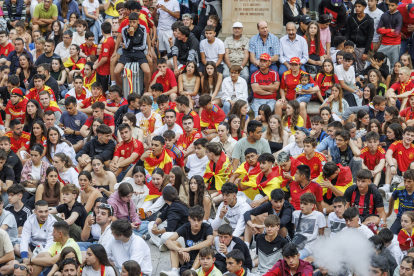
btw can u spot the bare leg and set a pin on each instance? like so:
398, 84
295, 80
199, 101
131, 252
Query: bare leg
118, 70
388, 175
373, 219
303, 112
113, 64
283, 232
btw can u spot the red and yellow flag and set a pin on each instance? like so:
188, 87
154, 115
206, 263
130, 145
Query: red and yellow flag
128, 75
164, 162
89, 81
272, 182
220, 174
405, 239
153, 192
249, 178
212, 119
283, 182
344, 180
79, 65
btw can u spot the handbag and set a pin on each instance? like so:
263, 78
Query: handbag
298, 239
90, 21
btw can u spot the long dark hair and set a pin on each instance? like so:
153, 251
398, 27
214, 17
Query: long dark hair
267, 111
100, 158
161, 172
39, 112
64, 158
236, 109
229, 120
395, 113
180, 179
61, 66
89, 137
372, 93
377, 123
124, 190
100, 253
360, 115
29, 61
317, 38
65, 251
322, 70
398, 132
132, 267
201, 190
330, 112
393, 75
131, 117
206, 84
60, 32
56, 189
196, 72
99, 199
33, 137
50, 145
139, 169
170, 193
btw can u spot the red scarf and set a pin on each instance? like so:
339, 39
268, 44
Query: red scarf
153, 190
270, 176
240, 272
294, 164
405, 240
254, 171
209, 271
343, 179
102, 270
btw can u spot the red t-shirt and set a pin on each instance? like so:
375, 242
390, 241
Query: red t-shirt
44, 143
185, 140
407, 114
265, 79
289, 83
296, 191
316, 163
33, 93
407, 20
125, 23
90, 101
401, 88
313, 48
403, 156
372, 160
17, 111
122, 102
325, 82
108, 120
107, 50
168, 81
126, 149
6, 50
17, 144
89, 51
196, 120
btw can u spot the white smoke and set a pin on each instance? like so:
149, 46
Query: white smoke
348, 250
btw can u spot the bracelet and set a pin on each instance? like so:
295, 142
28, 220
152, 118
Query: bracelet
392, 165
73, 132
155, 223
89, 226
328, 102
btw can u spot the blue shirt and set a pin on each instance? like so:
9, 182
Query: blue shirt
74, 122
296, 48
271, 46
326, 143
16, 60
72, 7
406, 201
305, 87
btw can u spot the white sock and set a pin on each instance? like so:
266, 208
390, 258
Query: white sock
174, 269
247, 243
324, 211
253, 264
113, 82
386, 187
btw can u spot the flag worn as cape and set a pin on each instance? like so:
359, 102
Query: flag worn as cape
284, 182
220, 174
164, 161
89, 81
343, 181
211, 120
153, 192
249, 178
128, 75
405, 240
271, 183
79, 65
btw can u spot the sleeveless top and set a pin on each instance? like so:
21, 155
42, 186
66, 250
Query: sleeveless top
188, 85
52, 200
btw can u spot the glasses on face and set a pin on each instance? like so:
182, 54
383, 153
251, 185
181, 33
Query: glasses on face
22, 267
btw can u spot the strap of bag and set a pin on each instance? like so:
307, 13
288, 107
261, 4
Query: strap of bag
300, 218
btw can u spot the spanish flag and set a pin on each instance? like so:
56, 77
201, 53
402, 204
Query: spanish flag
153, 192
405, 239
270, 184
171, 105
89, 81
211, 120
249, 178
72, 65
284, 182
220, 174
164, 161
128, 75
344, 180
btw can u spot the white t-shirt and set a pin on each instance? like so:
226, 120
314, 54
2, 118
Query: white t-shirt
36, 171
376, 15
70, 177
91, 7
212, 51
77, 39
165, 19
144, 123
335, 223
347, 76
309, 226
364, 230
89, 271
160, 131
293, 149
195, 165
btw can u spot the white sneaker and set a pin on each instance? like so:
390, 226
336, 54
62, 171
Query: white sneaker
384, 189
163, 248
169, 273
253, 254
388, 197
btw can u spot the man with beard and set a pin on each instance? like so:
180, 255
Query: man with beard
49, 53
18, 137
33, 234
69, 267
186, 140
13, 161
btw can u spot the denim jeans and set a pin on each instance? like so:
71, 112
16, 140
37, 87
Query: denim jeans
283, 69
143, 228
304, 253
95, 29
84, 245
303, 99
226, 107
253, 68
63, 93
258, 102
404, 46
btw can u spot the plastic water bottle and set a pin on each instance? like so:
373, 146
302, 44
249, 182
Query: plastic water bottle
381, 225
37, 250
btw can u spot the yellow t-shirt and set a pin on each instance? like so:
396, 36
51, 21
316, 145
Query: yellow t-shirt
292, 127
57, 247
112, 9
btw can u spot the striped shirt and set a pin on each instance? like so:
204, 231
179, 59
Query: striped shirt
258, 47
10, 17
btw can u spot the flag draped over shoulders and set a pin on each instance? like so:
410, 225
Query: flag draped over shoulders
164, 162
220, 174
248, 178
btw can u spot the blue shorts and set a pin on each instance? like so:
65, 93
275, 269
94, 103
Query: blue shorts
304, 98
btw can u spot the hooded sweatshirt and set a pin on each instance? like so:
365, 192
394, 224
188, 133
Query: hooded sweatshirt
338, 14
234, 215
281, 268
121, 208
360, 32
94, 147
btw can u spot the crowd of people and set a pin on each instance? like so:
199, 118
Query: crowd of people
217, 159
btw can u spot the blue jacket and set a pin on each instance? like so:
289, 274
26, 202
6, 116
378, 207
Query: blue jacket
336, 154
19, 8
326, 144
73, 7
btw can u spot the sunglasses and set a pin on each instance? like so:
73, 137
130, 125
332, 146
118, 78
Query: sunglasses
104, 205
22, 267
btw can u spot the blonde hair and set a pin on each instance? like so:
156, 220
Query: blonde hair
41, 40
340, 96
405, 70
280, 127
410, 64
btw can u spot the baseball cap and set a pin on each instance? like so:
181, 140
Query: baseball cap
336, 3
16, 91
411, 10
325, 18
265, 56
237, 25
305, 19
295, 60
303, 129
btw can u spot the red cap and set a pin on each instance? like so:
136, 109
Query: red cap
17, 91
295, 60
410, 9
265, 56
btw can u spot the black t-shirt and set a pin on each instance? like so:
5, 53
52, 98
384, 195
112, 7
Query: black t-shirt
269, 252
367, 204
20, 216
197, 32
190, 239
77, 208
14, 162
6, 173
344, 157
